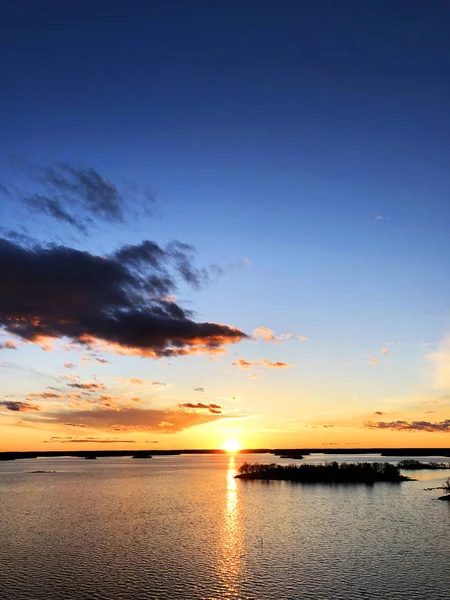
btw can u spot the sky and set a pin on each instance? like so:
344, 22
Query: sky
224, 220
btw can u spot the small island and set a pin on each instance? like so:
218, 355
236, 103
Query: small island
142, 454
333, 472
292, 456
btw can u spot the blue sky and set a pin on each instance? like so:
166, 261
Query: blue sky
303, 147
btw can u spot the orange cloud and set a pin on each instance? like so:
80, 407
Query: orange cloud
268, 335
130, 419
244, 364
263, 333
275, 365
8, 345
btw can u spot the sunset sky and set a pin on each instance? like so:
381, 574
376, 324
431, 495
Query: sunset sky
220, 220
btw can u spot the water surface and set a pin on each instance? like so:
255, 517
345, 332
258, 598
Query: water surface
181, 527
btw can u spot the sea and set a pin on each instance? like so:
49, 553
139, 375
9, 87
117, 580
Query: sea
182, 527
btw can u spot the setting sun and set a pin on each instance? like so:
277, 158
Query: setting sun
232, 446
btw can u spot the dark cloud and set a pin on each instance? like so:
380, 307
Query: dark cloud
79, 196
440, 427
60, 292
18, 406
68, 365
53, 208
102, 361
46, 395
213, 408
378, 413
88, 387
199, 389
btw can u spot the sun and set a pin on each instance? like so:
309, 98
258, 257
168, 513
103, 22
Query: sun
231, 446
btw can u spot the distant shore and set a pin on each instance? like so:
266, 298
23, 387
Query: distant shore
291, 452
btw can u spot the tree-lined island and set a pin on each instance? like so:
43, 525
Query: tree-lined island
333, 472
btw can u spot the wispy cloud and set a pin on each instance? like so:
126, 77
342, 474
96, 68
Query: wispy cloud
247, 364
275, 365
18, 406
212, 408
90, 386
268, 335
80, 197
8, 345
440, 364
244, 364
88, 440
428, 426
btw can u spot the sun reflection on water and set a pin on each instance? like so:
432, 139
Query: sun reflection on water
230, 567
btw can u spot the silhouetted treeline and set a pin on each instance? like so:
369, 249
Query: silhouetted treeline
332, 472
416, 465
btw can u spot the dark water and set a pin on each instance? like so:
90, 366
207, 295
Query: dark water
184, 528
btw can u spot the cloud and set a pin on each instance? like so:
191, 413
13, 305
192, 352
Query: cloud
262, 333
268, 335
18, 406
199, 389
105, 301
440, 363
275, 365
213, 408
440, 427
80, 196
137, 381
45, 395
8, 345
244, 364
381, 218
88, 386
384, 351
377, 412
129, 419
68, 365
53, 208
89, 440
102, 361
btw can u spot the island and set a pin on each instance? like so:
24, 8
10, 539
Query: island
410, 464
332, 472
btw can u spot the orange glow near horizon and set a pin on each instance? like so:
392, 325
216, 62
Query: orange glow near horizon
232, 446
